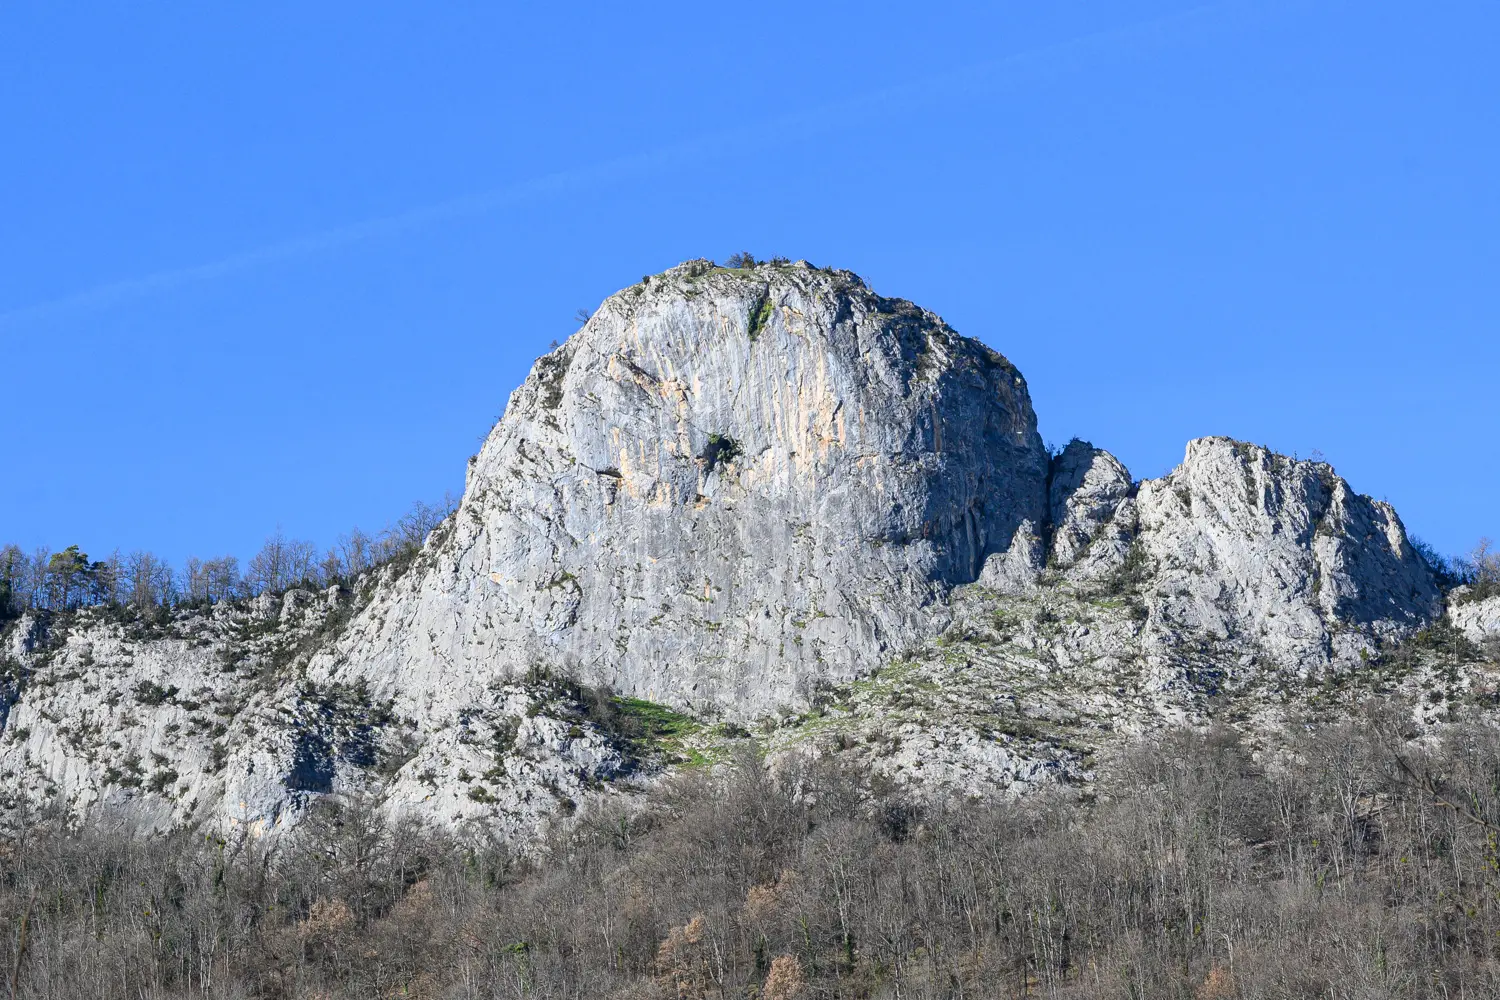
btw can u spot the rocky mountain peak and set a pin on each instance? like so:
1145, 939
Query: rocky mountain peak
753, 495
1281, 554
1087, 487
732, 485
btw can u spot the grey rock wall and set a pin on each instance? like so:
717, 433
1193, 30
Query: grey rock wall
732, 491
1478, 620
1279, 555
729, 487
1088, 487
204, 719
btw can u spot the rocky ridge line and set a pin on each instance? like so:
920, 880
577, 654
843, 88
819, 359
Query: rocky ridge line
765, 498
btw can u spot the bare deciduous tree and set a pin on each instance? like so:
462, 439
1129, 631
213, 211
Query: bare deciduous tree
148, 580
1197, 872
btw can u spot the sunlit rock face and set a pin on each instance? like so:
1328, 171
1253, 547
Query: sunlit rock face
730, 487
733, 492
204, 719
1478, 620
1267, 559
1278, 555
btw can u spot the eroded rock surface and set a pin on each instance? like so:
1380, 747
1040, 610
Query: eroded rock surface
1087, 488
206, 719
1479, 620
773, 499
729, 487
1279, 556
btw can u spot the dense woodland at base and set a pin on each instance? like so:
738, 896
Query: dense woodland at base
1349, 866
1356, 869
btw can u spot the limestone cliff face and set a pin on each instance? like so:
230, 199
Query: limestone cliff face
1280, 554
205, 718
1478, 620
729, 487
1089, 490
1241, 545
732, 490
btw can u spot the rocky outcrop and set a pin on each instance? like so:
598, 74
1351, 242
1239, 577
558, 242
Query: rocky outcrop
1478, 620
758, 495
730, 487
1279, 556
203, 719
1088, 491
1277, 561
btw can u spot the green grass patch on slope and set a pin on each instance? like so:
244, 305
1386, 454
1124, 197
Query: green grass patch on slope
653, 729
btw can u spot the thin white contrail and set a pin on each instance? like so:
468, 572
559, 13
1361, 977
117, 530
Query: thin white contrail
1048, 61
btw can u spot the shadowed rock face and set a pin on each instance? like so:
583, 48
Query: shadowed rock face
730, 486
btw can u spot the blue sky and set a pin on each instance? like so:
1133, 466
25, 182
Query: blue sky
282, 264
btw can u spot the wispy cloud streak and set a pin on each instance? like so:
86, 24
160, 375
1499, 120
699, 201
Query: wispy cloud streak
987, 77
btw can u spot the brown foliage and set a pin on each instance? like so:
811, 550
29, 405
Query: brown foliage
1217, 985
326, 918
1341, 869
785, 981
681, 966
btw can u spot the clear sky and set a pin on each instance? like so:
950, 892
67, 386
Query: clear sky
282, 263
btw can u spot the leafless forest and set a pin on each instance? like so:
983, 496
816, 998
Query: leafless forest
64, 581
1352, 869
